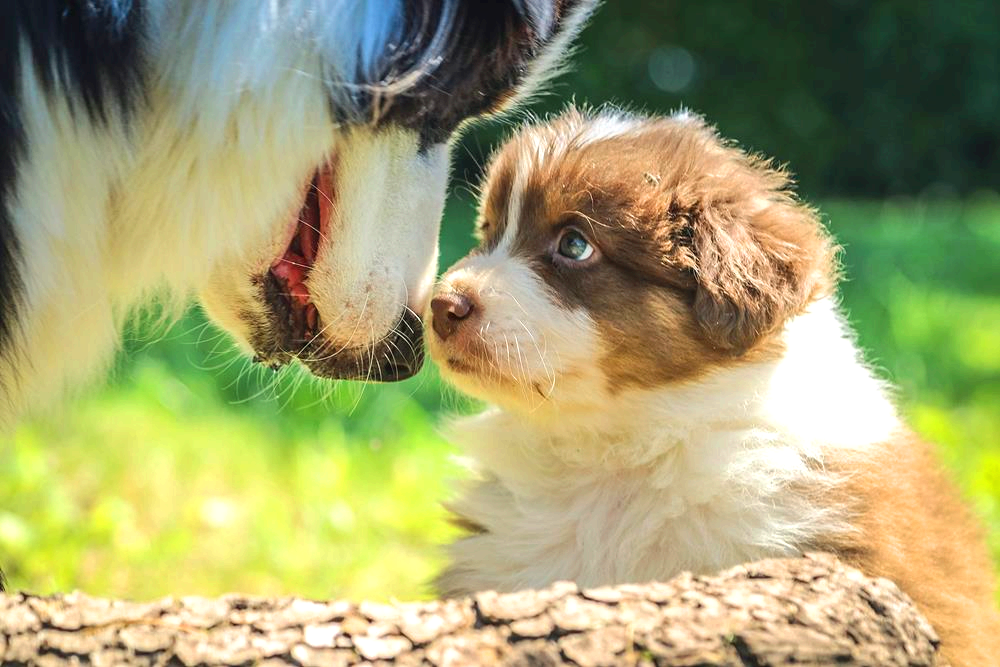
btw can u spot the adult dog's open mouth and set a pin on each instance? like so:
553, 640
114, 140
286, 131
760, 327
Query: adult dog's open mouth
291, 270
296, 329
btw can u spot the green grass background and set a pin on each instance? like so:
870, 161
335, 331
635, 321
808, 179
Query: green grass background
191, 472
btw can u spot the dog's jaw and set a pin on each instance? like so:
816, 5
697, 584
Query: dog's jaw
346, 305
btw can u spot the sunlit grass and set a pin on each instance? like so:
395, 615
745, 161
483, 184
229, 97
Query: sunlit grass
924, 294
189, 473
152, 489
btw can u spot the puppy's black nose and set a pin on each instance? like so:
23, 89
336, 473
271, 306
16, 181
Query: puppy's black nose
449, 311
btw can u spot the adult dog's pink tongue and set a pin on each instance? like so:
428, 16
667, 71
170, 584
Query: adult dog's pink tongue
294, 265
292, 270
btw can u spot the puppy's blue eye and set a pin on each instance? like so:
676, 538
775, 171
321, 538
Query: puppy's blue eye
573, 245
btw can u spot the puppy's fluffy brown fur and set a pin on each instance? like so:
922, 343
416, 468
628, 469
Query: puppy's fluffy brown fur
652, 312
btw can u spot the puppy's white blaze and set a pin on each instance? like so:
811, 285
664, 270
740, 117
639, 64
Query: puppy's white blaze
380, 254
515, 203
651, 481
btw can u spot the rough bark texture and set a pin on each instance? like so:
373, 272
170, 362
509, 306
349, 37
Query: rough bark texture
806, 611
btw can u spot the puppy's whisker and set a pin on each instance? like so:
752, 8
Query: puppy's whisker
550, 372
510, 363
520, 362
491, 364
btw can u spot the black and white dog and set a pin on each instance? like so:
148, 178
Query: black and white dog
285, 158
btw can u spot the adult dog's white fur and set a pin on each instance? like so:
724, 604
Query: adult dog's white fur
195, 184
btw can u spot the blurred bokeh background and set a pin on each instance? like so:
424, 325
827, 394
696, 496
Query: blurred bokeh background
193, 472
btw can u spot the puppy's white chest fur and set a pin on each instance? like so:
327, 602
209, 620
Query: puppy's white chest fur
712, 473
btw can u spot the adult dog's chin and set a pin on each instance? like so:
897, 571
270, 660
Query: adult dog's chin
397, 356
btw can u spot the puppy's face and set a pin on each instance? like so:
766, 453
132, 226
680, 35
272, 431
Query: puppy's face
619, 253
340, 282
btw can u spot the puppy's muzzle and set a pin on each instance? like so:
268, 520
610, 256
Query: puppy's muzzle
450, 311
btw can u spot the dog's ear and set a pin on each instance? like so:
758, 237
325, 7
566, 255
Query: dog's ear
457, 60
759, 255
554, 25
550, 16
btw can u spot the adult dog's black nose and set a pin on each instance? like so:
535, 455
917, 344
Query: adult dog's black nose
450, 310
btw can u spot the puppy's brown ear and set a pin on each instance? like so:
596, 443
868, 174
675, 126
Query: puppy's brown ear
760, 255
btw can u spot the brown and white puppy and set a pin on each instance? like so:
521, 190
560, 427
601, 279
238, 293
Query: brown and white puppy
652, 313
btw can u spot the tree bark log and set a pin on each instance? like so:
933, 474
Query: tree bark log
805, 611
